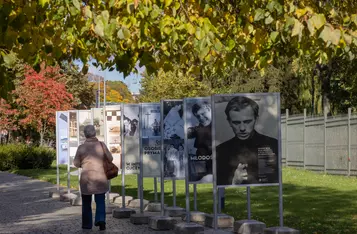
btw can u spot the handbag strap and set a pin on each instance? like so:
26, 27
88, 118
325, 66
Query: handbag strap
105, 155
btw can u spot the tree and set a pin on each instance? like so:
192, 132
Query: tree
195, 35
114, 96
7, 117
172, 84
38, 98
78, 85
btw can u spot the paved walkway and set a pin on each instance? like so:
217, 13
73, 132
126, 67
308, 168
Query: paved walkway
25, 207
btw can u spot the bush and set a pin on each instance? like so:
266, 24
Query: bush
20, 156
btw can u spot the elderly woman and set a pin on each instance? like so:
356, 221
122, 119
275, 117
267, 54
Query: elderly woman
89, 157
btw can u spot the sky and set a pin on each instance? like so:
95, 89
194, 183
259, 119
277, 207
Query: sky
132, 81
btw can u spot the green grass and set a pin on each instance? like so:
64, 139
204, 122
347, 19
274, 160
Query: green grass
313, 203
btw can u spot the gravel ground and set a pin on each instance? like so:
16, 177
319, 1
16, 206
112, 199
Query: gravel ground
25, 207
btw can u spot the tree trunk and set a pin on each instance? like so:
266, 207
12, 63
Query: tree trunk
325, 74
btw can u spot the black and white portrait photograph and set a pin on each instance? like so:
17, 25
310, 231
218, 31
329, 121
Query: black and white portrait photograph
173, 145
173, 124
198, 119
131, 121
246, 138
174, 159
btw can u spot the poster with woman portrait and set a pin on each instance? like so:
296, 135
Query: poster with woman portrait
247, 139
131, 154
198, 141
113, 127
151, 139
172, 126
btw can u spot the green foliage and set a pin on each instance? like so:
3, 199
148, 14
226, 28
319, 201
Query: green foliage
173, 84
20, 156
78, 85
213, 35
121, 88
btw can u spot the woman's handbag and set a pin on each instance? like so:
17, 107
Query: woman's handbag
111, 171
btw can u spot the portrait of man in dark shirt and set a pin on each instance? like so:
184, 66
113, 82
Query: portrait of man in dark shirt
201, 168
249, 157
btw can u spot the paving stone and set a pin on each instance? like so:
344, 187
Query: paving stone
25, 207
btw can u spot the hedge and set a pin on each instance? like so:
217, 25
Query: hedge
20, 156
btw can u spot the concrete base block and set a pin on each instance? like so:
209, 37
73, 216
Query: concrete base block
248, 227
223, 221
55, 194
112, 196
139, 218
188, 228
123, 213
136, 203
212, 231
118, 200
76, 201
65, 197
109, 208
197, 217
162, 223
281, 230
154, 207
174, 211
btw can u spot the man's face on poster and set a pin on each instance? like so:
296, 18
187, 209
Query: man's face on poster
242, 122
204, 115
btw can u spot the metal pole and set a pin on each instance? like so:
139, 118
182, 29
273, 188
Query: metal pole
174, 191
219, 208
68, 156
195, 197
187, 185
141, 172
349, 142
215, 224
139, 185
57, 151
162, 160
155, 189
78, 143
99, 92
286, 136
304, 140
248, 203
325, 138
122, 161
281, 209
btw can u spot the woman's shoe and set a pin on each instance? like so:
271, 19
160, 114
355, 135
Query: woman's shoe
101, 225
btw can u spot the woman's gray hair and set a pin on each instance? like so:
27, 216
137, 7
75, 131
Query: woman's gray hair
89, 131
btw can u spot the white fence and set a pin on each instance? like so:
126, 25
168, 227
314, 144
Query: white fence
320, 143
